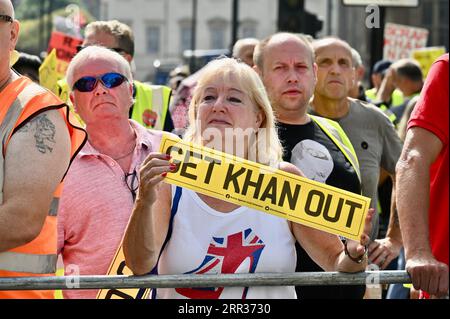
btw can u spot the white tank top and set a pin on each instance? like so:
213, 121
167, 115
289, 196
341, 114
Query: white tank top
205, 241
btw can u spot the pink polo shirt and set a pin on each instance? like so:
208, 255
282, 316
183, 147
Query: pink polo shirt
94, 208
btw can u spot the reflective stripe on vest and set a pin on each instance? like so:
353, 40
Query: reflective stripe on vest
338, 136
39, 255
397, 98
158, 101
53, 211
371, 94
31, 263
392, 117
151, 105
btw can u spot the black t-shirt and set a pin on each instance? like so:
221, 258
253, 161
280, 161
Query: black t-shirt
310, 149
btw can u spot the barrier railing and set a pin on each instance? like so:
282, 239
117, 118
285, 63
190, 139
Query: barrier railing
192, 281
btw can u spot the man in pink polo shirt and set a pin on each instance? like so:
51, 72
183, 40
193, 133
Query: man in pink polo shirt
100, 187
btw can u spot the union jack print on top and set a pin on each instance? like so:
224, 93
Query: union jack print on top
225, 255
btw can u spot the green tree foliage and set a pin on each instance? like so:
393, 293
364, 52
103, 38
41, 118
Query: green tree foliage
30, 39
31, 9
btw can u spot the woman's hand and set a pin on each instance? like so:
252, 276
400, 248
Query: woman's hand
153, 170
149, 220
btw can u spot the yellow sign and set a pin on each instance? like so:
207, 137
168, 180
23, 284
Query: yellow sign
426, 57
118, 267
269, 190
48, 75
64, 91
257, 186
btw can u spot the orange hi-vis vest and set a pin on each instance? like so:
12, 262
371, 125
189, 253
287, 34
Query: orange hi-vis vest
19, 102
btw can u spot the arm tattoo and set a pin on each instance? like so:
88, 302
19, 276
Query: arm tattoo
44, 132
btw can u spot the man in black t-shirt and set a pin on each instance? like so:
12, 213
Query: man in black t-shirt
285, 63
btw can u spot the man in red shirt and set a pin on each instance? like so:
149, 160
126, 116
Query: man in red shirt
423, 185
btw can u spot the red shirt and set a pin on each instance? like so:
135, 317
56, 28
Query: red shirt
432, 113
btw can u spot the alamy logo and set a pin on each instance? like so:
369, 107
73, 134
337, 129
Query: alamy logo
373, 18
226, 255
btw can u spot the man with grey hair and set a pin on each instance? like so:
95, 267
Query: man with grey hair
101, 186
357, 91
318, 146
39, 140
151, 106
243, 50
372, 134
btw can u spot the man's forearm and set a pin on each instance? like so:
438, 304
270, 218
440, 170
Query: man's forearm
393, 230
17, 227
412, 196
139, 244
386, 89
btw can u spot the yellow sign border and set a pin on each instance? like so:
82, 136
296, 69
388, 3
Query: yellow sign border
174, 178
118, 266
126, 293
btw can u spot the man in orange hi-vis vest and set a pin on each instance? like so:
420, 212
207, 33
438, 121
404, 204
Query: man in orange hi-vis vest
39, 140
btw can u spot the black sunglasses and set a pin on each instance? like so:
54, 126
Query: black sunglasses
109, 80
6, 18
118, 50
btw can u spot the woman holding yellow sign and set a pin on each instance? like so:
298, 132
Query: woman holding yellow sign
174, 230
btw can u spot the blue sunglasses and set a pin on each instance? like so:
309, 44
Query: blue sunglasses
109, 80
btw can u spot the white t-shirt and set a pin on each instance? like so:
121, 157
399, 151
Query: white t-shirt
205, 241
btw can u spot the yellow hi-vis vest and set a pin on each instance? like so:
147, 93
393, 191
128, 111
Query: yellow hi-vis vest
151, 105
396, 100
397, 96
63, 94
335, 132
63, 90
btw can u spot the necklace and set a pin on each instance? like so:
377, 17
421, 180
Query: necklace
127, 154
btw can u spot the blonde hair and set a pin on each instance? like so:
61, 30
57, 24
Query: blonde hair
241, 43
266, 145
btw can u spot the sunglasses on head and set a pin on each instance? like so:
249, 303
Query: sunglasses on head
118, 50
109, 80
6, 18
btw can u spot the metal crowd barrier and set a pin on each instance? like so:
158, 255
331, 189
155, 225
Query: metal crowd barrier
192, 281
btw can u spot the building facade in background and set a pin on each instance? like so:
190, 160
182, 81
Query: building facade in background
163, 28
349, 23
